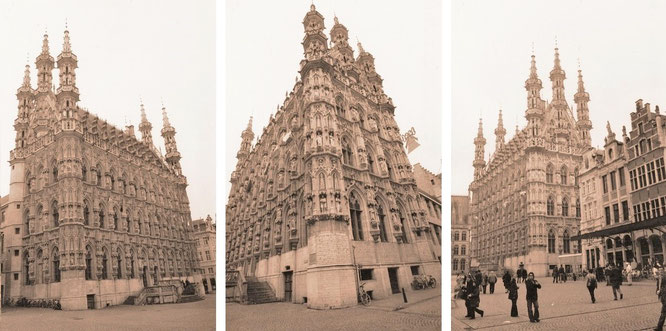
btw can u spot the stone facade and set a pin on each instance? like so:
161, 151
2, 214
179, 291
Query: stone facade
461, 238
605, 200
204, 235
91, 209
527, 194
328, 187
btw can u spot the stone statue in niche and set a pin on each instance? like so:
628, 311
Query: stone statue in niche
372, 124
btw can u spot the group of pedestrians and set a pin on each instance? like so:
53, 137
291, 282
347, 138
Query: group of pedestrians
532, 297
614, 279
559, 275
469, 290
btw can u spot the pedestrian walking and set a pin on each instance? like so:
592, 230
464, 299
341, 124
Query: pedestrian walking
555, 275
473, 299
563, 275
531, 287
591, 284
478, 279
506, 279
615, 279
661, 294
484, 282
629, 271
492, 279
513, 296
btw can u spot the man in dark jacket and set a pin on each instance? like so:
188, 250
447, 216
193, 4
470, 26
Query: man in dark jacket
472, 299
615, 276
563, 275
506, 279
531, 286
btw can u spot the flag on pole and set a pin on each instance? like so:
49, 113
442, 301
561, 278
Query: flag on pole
410, 140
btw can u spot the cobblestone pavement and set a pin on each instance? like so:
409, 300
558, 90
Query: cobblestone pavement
566, 306
418, 315
199, 315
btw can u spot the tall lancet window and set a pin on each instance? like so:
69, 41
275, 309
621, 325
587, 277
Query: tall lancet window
355, 215
382, 224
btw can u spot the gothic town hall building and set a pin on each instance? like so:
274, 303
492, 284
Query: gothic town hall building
328, 188
525, 205
93, 214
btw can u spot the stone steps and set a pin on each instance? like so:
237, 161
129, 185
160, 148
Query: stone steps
259, 292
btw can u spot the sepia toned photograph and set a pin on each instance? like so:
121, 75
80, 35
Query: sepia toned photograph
558, 196
107, 165
333, 159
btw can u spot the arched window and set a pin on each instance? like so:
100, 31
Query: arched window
26, 221
551, 242
56, 215
105, 261
26, 266
382, 226
101, 216
115, 219
355, 215
463, 237
550, 206
455, 264
565, 207
55, 172
120, 264
463, 264
371, 164
456, 250
549, 173
463, 250
84, 173
56, 265
566, 243
456, 236
404, 227
563, 175
577, 207
132, 272
86, 214
88, 263
347, 154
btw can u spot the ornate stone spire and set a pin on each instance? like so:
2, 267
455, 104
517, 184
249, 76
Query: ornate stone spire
246, 143
583, 123
44, 67
26, 76
557, 77
145, 127
535, 105
172, 155
479, 143
499, 133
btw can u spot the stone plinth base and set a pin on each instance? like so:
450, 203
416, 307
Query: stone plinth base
331, 287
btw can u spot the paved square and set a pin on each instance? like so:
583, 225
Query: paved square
423, 312
566, 306
199, 315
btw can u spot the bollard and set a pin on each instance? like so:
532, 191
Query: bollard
404, 296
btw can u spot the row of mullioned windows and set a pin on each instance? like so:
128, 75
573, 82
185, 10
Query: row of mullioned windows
456, 236
647, 174
462, 251
616, 213
650, 209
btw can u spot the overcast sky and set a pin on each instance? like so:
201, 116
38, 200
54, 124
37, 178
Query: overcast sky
263, 51
620, 45
126, 50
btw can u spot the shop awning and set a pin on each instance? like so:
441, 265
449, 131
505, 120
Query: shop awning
624, 228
